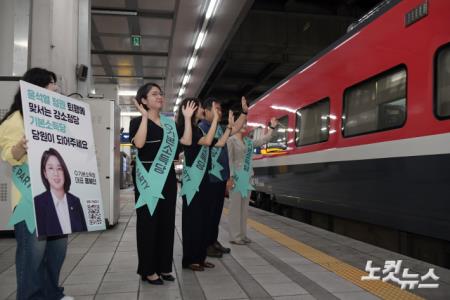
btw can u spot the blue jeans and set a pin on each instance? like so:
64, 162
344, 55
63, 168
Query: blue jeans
38, 264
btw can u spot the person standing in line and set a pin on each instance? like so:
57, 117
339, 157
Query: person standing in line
240, 151
218, 175
156, 138
195, 200
38, 260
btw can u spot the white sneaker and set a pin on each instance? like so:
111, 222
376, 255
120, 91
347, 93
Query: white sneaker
67, 298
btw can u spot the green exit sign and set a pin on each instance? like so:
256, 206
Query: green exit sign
136, 40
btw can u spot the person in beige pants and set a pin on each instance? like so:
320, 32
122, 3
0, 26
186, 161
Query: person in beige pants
237, 218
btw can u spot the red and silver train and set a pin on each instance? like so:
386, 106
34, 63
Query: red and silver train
366, 133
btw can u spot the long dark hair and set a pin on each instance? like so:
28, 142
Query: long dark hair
45, 156
37, 76
143, 91
180, 116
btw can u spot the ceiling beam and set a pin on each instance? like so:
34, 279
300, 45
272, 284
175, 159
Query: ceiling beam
127, 35
98, 44
134, 12
127, 52
131, 66
129, 77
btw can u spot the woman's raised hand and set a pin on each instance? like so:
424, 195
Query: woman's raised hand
216, 113
140, 108
244, 104
189, 109
230, 118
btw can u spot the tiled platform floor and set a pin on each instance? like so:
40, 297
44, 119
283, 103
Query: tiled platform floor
102, 265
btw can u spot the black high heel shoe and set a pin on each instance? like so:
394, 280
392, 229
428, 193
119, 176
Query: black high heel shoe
157, 281
167, 277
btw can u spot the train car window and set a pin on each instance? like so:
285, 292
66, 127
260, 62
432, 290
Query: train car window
279, 138
442, 84
255, 133
376, 104
313, 122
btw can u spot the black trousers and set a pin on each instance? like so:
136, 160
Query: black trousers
195, 223
215, 195
155, 233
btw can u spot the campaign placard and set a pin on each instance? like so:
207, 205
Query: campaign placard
65, 182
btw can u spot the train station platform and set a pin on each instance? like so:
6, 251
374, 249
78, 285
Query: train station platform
286, 260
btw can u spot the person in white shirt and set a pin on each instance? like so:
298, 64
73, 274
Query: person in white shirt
237, 150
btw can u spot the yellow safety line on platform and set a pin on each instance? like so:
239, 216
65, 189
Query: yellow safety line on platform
379, 288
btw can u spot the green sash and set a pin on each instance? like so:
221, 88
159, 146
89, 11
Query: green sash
193, 175
24, 210
150, 184
215, 153
242, 176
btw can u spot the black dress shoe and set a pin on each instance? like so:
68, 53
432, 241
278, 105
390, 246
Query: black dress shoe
157, 281
221, 248
167, 277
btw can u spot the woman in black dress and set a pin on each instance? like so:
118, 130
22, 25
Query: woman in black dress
195, 212
155, 232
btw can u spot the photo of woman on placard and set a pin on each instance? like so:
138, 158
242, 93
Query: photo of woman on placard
57, 211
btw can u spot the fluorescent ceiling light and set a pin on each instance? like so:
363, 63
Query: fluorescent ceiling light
211, 8
200, 39
178, 101
192, 63
181, 92
130, 114
127, 93
175, 108
21, 43
186, 79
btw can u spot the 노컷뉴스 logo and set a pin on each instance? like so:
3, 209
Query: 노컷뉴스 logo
394, 272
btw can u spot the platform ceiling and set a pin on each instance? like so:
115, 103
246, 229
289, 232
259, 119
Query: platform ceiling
251, 44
